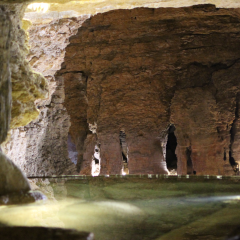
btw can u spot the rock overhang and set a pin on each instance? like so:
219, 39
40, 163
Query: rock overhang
69, 8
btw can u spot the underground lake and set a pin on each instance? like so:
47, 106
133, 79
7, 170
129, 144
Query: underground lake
159, 207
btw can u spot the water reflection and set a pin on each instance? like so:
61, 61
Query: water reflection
134, 208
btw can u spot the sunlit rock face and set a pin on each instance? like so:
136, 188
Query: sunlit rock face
40, 148
11, 178
147, 68
97, 6
27, 85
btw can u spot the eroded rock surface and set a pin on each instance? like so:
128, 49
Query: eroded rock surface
136, 72
146, 69
40, 148
11, 178
27, 85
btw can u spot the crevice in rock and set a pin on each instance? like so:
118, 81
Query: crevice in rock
233, 132
171, 157
96, 161
124, 148
66, 72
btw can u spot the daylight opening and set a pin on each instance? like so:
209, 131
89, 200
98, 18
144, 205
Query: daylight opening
39, 7
124, 148
96, 161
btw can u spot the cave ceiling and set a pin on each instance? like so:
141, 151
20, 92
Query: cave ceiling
95, 6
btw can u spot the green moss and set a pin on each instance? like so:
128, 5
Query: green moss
26, 24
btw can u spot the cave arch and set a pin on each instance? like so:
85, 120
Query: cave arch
171, 157
124, 149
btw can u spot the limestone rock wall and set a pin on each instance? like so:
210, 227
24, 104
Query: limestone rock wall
34, 86
148, 68
139, 72
40, 148
11, 178
5, 80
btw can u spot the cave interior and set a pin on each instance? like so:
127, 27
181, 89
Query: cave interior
125, 89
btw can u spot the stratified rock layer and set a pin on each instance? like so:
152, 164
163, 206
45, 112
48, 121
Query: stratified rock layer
148, 68
40, 148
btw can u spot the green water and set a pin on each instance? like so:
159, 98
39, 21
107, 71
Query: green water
135, 207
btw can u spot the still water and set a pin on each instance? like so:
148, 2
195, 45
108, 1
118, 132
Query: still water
135, 207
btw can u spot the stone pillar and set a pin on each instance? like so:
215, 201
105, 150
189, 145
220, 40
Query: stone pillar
111, 154
89, 145
181, 159
195, 116
145, 155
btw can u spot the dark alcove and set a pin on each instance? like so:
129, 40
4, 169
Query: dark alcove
122, 137
171, 157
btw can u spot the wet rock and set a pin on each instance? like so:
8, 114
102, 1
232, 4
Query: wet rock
42, 233
21, 198
11, 178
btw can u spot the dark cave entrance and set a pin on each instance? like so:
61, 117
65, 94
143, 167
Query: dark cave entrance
171, 157
124, 148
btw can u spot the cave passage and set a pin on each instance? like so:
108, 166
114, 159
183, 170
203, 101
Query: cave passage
124, 148
171, 157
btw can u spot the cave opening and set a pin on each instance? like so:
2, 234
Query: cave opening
171, 157
124, 148
96, 161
